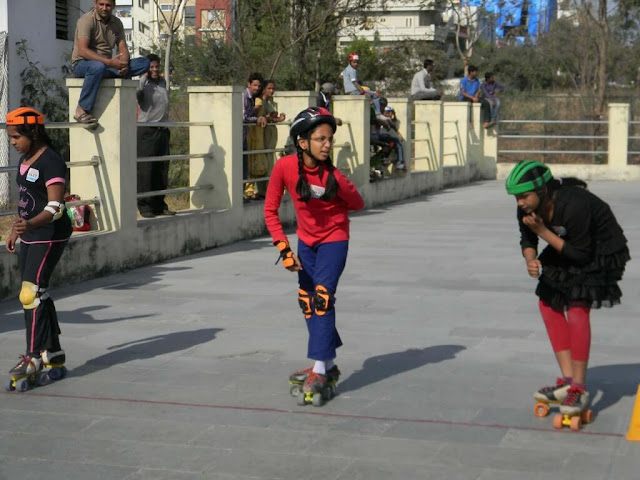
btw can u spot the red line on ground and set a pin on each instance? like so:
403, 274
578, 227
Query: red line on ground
306, 411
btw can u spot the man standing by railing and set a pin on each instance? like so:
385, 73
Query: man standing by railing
98, 32
153, 100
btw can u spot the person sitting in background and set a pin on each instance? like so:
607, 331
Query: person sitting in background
470, 92
327, 91
353, 86
421, 86
389, 137
490, 90
98, 32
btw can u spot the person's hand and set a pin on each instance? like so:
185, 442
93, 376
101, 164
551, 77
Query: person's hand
20, 226
281, 117
262, 121
475, 99
10, 243
290, 260
535, 223
534, 267
123, 71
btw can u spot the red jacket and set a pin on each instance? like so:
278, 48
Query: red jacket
319, 221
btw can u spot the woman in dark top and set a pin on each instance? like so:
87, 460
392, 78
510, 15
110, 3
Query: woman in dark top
577, 271
44, 229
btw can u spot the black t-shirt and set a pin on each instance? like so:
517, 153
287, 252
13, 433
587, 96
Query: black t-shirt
49, 168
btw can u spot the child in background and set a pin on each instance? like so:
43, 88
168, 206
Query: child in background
270, 111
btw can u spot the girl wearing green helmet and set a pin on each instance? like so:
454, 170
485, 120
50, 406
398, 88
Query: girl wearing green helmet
577, 271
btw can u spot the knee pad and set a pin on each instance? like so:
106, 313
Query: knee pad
304, 300
323, 300
29, 295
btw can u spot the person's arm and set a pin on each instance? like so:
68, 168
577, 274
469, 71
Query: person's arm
55, 193
123, 57
275, 191
86, 53
348, 192
144, 79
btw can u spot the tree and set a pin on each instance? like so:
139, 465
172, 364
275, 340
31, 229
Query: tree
172, 25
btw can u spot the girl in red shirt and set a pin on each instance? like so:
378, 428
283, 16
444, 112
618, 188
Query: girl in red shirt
322, 198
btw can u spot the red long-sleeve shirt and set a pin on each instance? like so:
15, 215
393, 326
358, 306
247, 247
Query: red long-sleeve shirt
319, 221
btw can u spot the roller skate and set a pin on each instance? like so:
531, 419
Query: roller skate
573, 410
34, 371
297, 379
551, 395
310, 387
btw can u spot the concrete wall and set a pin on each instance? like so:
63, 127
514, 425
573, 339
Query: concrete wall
217, 214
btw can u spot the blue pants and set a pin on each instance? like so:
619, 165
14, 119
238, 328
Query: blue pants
375, 101
94, 71
323, 265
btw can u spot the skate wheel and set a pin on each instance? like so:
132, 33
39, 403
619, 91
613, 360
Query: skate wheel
8, 386
43, 379
318, 400
586, 416
557, 421
22, 385
576, 423
295, 390
63, 371
55, 374
541, 410
326, 394
301, 400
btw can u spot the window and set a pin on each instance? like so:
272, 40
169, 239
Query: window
408, 22
144, 4
143, 29
213, 19
427, 18
62, 20
189, 16
166, 7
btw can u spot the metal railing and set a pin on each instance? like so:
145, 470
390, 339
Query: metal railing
552, 137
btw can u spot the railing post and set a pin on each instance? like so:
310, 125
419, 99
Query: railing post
354, 111
428, 135
618, 135
474, 139
403, 108
456, 133
221, 106
488, 167
114, 141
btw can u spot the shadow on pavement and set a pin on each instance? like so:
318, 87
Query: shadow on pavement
614, 382
146, 348
376, 369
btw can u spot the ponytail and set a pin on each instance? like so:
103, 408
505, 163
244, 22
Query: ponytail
302, 187
331, 190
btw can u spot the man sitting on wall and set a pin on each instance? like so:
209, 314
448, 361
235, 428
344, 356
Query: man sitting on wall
98, 32
421, 86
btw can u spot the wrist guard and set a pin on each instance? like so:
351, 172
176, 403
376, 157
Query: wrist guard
285, 254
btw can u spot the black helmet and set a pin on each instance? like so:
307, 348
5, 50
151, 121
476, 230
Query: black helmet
309, 119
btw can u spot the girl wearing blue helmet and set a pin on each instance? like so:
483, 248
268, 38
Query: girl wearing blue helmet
578, 270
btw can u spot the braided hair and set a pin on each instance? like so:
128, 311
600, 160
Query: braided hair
302, 187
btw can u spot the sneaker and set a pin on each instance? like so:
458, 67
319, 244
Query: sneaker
49, 358
26, 366
575, 402
400, 166
553, 393
147, 214
314, 383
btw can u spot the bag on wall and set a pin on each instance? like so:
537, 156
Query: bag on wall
80, 215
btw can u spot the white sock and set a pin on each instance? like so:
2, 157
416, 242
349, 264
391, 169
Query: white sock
320, 367
329, 364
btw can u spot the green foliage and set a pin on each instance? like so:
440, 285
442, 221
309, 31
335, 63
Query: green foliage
47, 95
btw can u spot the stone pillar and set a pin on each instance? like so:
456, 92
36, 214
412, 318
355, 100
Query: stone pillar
114, 142
456, 116
354, 111
618, 135
474, 139
221, 106
404, 113
428, 135
291, 103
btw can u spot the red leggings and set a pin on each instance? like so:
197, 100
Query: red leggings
572, 332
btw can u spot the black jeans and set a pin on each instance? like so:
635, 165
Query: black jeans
153, 142
485, 109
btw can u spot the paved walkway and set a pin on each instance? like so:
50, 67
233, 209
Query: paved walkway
178, 371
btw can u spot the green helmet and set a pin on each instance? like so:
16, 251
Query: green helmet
519, 182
